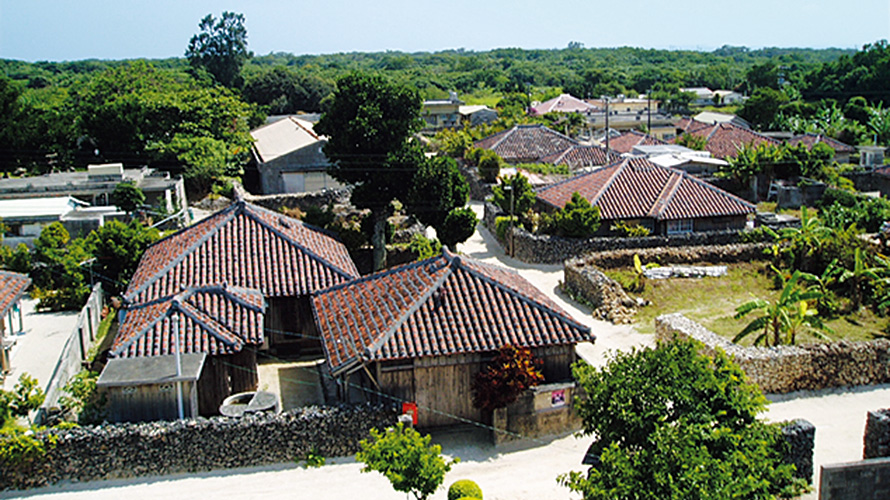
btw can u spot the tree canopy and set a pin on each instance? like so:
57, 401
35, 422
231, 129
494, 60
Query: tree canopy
220, 47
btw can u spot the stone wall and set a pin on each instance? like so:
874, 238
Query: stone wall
708, 254
604, 295
791, 368
801, 438
295, 200
877, 434
545, 249
158, 448
863, 480
535, 413
479, 189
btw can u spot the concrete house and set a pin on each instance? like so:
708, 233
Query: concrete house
420, 332
290, 159
441, 113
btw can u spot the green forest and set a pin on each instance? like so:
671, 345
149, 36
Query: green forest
192, 115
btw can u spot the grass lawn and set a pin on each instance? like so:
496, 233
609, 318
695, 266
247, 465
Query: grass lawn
712, 303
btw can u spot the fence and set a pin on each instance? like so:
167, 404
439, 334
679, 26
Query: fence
75, 351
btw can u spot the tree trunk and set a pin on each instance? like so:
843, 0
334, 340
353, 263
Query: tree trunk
378, 241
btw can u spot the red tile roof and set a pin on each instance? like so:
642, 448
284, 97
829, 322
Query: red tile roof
581, 156
637, 188
725, 139
12, 287
216, 320
564, 103
437, 307
526, 143
625, 142
243, 245
811, 140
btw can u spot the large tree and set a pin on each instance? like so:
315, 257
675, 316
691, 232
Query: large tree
369, 126
220, 47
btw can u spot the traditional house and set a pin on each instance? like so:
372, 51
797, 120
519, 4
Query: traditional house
420, 333
842, 151
526, 143
248, 246
577, 157
289, 157
664, 200
224, 322
627, 140
723, 140
12, 289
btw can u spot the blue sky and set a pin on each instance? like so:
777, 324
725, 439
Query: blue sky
57, 30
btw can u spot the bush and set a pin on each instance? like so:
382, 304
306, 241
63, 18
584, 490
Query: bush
502, 226
473, 155
758, 235
82, 399
464, 488
523, 196
628, 230
579, 219
424, 247
459, 225
489, 166
319, 217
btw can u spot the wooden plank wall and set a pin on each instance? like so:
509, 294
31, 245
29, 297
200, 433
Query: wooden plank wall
293, 317
150, 402
223, 376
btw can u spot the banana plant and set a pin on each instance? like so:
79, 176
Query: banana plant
784, 316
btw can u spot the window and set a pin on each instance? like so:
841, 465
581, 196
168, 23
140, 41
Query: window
679, 226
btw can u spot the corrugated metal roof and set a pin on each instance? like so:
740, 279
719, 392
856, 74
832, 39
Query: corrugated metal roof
282, 137
52, 206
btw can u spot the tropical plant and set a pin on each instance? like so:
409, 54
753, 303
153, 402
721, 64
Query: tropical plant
407, 459
670, 423
826, 304
513, 370
859, 276
780, 321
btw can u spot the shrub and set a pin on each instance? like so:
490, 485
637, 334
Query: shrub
523, 196
758, 235
513, 370
629, 230
464, 488
459, 225
489, 165
472, 155
502, 226
424, 247
82, 399
578, 219
319, 217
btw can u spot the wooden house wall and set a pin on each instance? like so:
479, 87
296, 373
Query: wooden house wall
290, 327
142, 403
226, 375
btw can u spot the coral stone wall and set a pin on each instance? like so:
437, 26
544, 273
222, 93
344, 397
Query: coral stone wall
791, 368
156, 448
877, 434
604, 295
538, 249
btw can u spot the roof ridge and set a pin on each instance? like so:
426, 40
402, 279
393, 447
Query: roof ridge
297, 121
667, 193
422, 299
223, 220
208, 322
296, 244
516, 293
619, 168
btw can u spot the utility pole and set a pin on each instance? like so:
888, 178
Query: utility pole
649, 112
606, 100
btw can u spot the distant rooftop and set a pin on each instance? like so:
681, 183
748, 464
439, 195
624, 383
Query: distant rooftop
96, 178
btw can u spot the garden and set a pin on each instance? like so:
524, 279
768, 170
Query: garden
823, 281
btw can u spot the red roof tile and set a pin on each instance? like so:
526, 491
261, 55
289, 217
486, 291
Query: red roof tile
437, 307
725, 139
526, 143
243, 245
637, 188
580, 156
625, 142
811, 140
12, 287
214, 319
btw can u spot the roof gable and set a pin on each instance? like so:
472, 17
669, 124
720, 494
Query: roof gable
243, 245
724, 140
12, 287
282, 137
625, 142
437, 307
636, 188
215, 319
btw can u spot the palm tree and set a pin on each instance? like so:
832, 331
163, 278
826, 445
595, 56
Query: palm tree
788, 315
